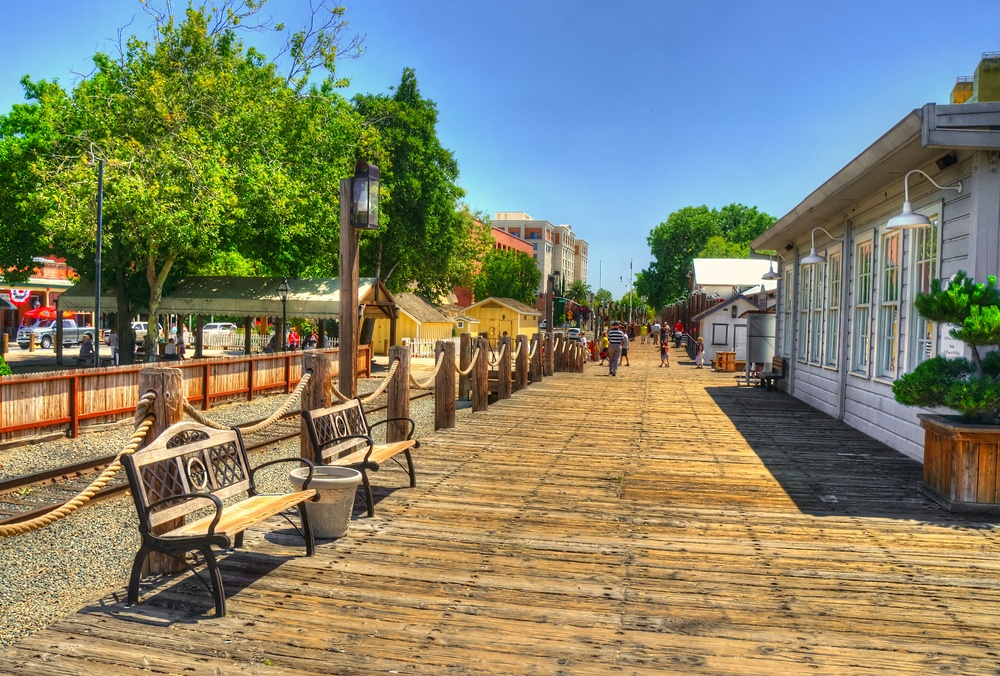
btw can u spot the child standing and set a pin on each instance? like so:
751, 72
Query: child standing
664, 353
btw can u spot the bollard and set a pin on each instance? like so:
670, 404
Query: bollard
6, 344
548, 360
480, 377
444, 387
536, 359
168, 407
503, 368
398, 394
31, 342
317, 394
521, 365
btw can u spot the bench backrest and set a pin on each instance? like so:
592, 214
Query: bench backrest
778, 366
186, 458
328, 428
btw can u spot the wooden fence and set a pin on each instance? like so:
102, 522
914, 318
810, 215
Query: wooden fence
32, 405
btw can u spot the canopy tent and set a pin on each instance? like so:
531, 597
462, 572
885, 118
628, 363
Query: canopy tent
248, 297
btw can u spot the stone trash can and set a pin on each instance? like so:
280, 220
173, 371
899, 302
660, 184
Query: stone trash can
330, 516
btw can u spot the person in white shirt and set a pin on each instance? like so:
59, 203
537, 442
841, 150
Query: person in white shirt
616, 339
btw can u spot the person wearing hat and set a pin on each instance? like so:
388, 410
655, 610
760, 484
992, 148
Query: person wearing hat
616, 339
699, 354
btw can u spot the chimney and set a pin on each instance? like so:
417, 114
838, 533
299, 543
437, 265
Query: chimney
986, 84
962, 91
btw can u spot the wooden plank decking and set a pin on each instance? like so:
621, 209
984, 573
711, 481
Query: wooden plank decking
661, 521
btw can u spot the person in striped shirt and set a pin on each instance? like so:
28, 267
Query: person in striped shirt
616, 339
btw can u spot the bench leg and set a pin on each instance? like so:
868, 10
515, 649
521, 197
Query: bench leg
136, 577
238, 540
409, 465
307, 530
369, 497
218, 591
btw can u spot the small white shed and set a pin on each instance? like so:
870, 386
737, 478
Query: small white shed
724, 328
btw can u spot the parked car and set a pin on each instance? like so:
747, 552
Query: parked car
45, 333
141, 329
573, 333
218, 329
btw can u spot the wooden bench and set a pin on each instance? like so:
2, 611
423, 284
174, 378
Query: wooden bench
188, 468
89, 361
769, 378
342, 436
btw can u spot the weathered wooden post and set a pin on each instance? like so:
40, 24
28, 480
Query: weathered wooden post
481, 377
464, 359
349, 251
557, 352
536, 358
398, 394
444, 386
317, 394
6, 344
168, 407
199, 337
503, 368
521, 365
548, 359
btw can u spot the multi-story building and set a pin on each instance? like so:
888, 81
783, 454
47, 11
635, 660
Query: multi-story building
555, 248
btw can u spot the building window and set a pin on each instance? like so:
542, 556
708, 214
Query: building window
805, 277
786, 315
816, 318
833, 289
887, 348
861, 329
924, 266
720, 334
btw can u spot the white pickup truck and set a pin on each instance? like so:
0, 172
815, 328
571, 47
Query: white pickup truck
45, 333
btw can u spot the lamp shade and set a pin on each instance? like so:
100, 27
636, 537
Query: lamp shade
364, 197
907, 220
771, 275
812, 258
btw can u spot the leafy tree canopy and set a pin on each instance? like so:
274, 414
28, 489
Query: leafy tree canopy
507, 274
693, 232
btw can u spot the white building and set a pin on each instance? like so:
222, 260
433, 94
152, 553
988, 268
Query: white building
556, 247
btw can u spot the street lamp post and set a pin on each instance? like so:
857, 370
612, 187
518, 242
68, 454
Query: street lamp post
283, 290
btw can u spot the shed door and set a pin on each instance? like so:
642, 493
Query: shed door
740, 338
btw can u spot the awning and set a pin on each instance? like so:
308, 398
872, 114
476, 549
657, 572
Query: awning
248, 297
6, 304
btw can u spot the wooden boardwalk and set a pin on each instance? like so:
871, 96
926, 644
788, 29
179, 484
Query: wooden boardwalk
661, 521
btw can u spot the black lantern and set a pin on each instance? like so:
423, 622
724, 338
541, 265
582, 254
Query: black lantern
364, 197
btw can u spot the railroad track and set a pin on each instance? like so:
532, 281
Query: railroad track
27, 497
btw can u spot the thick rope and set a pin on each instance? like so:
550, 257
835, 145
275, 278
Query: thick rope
429, 384
472, 363
100, 482
367, 399
517, 352
263, 424
533, 350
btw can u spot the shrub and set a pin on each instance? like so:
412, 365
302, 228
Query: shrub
4, 367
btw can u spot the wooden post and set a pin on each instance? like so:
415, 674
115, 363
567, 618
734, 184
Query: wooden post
464, 358
444, 387
481, 377
348, 383
398, 394
536, 359
548, 360
199, 337
503, 368
168, 407
248, 336
6, 344
31, 346
521, 365
557, 348
317, 394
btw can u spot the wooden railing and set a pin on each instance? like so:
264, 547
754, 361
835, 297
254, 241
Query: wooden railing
32, 405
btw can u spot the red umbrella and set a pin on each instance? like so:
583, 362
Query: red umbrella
47, 312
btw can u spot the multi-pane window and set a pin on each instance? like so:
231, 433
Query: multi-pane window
890, 269
924, 265
833, 288
861, 329
805, 277
816, 312
786, 315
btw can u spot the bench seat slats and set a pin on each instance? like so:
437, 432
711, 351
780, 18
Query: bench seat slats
243, 515
380, 453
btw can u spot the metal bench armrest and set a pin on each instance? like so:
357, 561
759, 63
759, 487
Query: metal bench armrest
192, 496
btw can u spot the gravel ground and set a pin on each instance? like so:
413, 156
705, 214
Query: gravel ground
53, 572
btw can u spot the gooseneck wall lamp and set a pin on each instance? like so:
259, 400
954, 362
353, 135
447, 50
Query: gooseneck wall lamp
908, 219
772, 275
814, 257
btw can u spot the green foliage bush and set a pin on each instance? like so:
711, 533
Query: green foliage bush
4, 367
970, 387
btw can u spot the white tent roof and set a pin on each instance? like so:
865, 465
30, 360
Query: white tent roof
733, 272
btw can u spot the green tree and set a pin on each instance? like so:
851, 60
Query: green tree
693, 232
425, 231
578, 292
507, 274
603, 297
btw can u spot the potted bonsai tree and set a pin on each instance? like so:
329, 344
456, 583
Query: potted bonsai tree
961, 452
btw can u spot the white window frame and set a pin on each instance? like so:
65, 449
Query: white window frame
924, 266
862, 305
787, 289
725, 334
831, 319
816, 313
890, 291
802, 330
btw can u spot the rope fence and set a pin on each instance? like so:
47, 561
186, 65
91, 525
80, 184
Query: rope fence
84, 496
263, 424
367, 399
429, 383
472, 363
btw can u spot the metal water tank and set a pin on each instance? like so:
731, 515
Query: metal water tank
760, 337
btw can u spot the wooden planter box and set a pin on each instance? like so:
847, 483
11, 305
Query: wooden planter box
961, 464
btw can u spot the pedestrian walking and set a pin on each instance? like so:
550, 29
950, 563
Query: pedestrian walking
604, 344
655, 332
643, 330
616, 338
699, 354
664, 352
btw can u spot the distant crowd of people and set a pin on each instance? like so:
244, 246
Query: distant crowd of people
613, 344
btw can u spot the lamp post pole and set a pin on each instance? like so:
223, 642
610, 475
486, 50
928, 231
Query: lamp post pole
283, 293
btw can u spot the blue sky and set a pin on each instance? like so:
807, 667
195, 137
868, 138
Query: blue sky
610, 116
